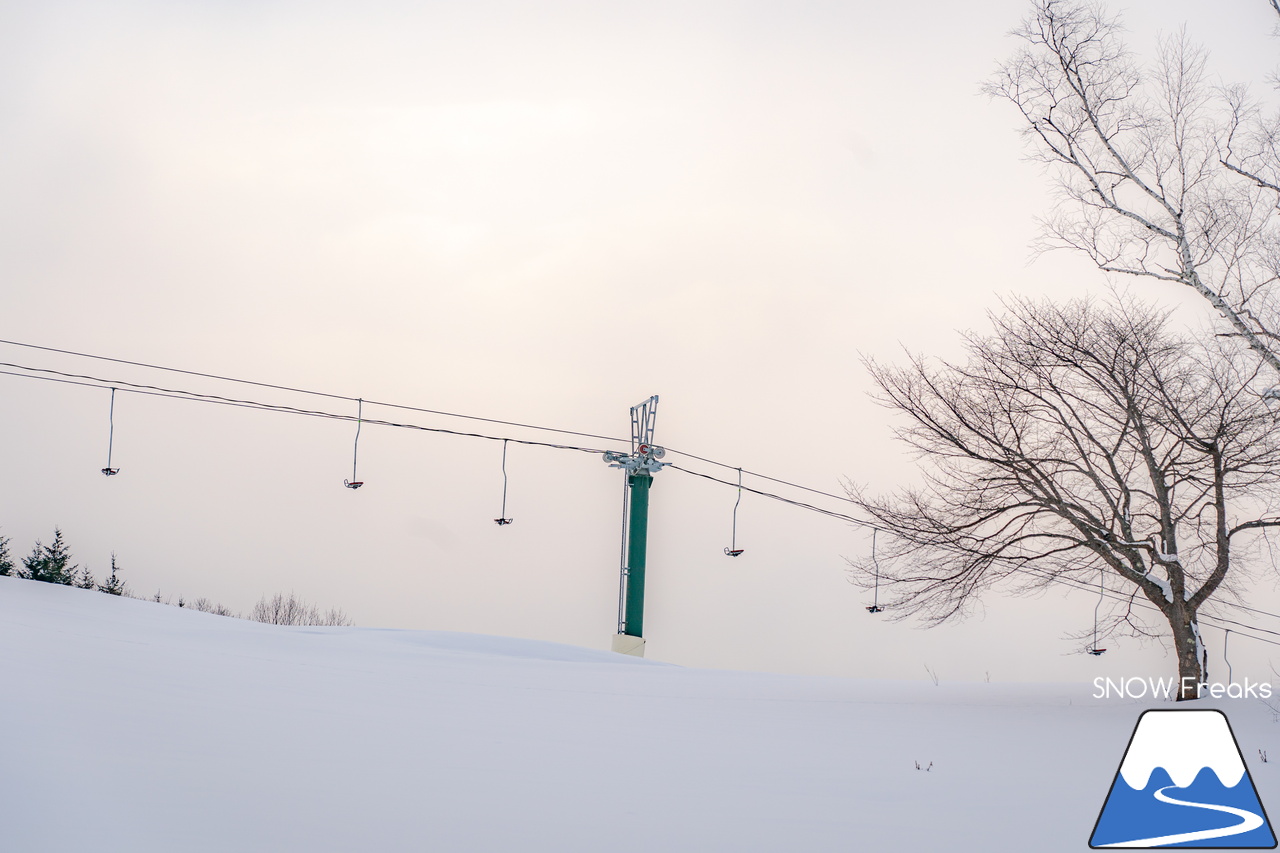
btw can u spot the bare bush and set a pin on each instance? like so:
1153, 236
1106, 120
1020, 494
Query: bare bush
204, 605
290, 610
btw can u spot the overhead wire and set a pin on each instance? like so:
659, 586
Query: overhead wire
840, 515
1238, 606
1133, 599
757, 474
176, 394
1059, 579
311, 392
403, 407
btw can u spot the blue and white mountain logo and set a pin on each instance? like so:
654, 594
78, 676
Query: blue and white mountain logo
1183, 783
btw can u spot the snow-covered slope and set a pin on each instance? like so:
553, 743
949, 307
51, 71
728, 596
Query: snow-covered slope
132, 726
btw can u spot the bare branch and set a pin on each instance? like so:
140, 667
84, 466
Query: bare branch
1159, 175
1075, 439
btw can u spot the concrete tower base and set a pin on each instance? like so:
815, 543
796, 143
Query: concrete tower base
625, 644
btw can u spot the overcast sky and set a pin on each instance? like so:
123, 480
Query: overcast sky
532, 212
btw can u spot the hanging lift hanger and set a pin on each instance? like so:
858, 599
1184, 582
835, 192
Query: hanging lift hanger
733, 550
1094, 650
1227, 660
502, 519
875, 600
111, 436
354, 483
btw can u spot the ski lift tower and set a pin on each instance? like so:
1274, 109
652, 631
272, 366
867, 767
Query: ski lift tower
639, 466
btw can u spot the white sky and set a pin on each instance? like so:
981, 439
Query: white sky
537, 213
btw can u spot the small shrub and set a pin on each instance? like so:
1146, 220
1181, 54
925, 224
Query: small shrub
279, 610
204, 605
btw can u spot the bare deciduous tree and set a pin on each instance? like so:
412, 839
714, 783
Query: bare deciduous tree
1078, 440
1160, 174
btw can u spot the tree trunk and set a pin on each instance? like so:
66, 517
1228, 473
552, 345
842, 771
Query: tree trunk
1186, 634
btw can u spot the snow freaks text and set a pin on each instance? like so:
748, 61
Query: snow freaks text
1167, 688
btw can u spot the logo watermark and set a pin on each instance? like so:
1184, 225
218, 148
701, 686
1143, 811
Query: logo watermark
1182, 783
1170, 688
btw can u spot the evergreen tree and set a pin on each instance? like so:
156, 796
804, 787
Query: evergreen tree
85, 579
32, 563
6, 560
114, 586
50, 563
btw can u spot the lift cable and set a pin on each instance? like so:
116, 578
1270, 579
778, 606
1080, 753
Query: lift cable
173, 394
1132, 599
758, 475
301, 390
402, 407
840, 515
871, 526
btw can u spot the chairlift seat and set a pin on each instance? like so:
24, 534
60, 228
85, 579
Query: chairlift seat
1096, 652
501, 521
734, 552
874, 608
350, 485
110, 472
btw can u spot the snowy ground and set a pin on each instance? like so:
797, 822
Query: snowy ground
134, 726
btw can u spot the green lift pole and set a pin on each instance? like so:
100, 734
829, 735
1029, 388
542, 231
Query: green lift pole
639, 465
637, 538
